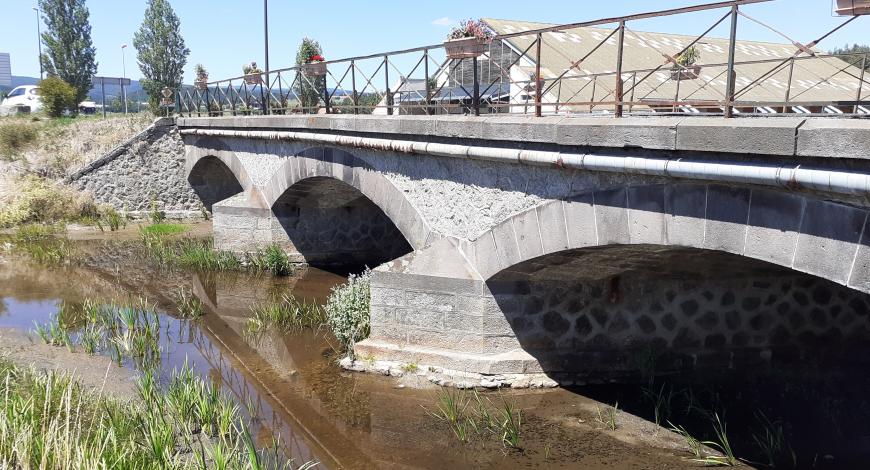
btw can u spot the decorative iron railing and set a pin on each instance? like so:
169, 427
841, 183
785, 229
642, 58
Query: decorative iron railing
578, 68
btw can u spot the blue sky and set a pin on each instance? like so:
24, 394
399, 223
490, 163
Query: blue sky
224, 34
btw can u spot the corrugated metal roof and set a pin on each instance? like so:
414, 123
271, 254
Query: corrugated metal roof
5, 69
811, 81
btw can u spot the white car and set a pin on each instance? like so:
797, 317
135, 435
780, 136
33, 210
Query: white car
23, 96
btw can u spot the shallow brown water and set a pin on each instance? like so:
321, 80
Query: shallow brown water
291, 387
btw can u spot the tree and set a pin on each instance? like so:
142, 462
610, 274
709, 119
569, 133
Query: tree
57, 96
69, 52
309, 89
857, 59
162, 54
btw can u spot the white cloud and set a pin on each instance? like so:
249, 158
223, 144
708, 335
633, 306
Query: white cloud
443, 21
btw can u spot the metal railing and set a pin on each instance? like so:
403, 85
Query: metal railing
528, 71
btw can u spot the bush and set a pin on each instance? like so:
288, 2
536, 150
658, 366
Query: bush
39, 200
57, 96
348, 312
15, 136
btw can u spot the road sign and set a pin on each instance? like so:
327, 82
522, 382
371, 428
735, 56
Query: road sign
111, 81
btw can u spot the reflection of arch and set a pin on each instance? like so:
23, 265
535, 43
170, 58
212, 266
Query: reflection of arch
214, 172
818, 237
314, 165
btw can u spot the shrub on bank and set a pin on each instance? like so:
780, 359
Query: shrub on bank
15, 136
57, 96
40, 200
348, 312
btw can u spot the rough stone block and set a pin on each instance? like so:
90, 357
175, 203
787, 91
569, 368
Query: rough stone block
580, 221
685, 206
521, 128
528, 235
646, 215
746, 136
835, 138
774, 222
828, 240
554, 232
727, 212
611, 216
658, 133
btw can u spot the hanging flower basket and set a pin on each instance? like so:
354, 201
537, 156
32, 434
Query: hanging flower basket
314, 69
465, 48
689, 73
201, 84
253, 79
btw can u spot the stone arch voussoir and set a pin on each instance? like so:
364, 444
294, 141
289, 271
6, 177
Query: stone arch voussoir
823, 238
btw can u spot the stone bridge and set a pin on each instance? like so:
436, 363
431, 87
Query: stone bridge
505, 247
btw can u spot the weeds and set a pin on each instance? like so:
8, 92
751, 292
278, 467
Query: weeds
111, 219
288, 314
608, 416
43, 243
470, 414
272, 259
771, 440
347, 310
15, 137
163, 229
189, 305
721, 443
695, 445
661, 399
154, 213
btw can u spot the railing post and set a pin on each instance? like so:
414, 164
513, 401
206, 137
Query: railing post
860, 82
428, 85
263, 104
732, 76
475, 100
538, 90
207, 102
633, 86
592, 100
354, 97
325, 95
677, 93
617, 110
788, 86
389, 95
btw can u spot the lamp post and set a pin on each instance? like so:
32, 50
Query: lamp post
123, 76
39, 40
266, 43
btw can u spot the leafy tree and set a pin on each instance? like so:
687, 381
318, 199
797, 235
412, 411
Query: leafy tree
309, 89
69, 52
855, 60
57, 96
162, 54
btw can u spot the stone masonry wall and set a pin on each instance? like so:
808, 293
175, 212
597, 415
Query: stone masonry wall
148, 166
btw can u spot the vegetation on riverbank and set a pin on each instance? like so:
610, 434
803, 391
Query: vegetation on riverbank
348, 313
471, 414
51, 421
285, 315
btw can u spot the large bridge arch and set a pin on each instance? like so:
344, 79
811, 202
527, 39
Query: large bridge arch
336, 211
818, 237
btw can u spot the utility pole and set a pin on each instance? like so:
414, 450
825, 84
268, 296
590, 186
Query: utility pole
123, 76
39, 40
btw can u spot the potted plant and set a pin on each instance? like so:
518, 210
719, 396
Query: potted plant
685, 67
468, 40
201, 82
314, 66
253, 74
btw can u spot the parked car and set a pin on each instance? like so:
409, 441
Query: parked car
26, 96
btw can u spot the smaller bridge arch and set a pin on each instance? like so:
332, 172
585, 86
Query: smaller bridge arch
214, 172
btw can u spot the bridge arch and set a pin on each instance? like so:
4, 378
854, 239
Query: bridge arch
338, 212
316, 166
214, 172
694, 272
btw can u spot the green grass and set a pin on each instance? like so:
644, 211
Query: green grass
470, 414
45, 244
607, 417
15, 136
50, 421
164, 228
287, 314
272, 259
189, 306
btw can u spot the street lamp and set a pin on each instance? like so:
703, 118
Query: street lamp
39, 40
266, 35
123, 76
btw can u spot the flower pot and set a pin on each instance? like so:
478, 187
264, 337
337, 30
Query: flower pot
314, 69
254, 78
690, 72
853, 7
201, 84
465, 48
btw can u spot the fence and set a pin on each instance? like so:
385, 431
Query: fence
595, 67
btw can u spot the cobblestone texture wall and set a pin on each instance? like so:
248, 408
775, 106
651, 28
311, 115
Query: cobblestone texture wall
149, 166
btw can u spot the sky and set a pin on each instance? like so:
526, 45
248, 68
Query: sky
224, 34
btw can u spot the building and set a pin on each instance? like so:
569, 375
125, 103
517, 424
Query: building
810, 84
5, 70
